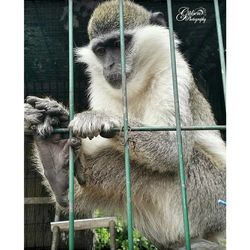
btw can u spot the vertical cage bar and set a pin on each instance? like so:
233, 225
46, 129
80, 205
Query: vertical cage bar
221, 47
178, 127
71, 115
125, 120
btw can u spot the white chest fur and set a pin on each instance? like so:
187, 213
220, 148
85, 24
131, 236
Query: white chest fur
95, 145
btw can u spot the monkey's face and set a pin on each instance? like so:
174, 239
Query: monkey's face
107, 50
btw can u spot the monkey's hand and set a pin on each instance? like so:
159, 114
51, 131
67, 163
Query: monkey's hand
32, 116
43, 114
93, 123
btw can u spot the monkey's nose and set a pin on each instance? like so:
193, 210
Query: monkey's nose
109, 66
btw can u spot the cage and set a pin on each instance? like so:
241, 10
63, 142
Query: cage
46, 74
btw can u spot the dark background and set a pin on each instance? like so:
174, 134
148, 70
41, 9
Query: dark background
46, 74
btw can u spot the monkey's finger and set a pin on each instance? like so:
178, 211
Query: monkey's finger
75, 143
55, 121
78, 133
35, 112
33, 128
45, 129
47, 103
32, 99
30, 110
56, 111
42, 104
81, 134
108, 133
33, 119
64, 118
27, 106
91, 136
95, 132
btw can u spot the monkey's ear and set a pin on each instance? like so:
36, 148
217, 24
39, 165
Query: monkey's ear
158, 19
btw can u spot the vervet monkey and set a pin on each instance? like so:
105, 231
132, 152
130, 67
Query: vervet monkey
156, 196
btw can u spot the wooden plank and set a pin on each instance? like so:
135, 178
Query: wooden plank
56, 230
38, 200
84, 223
112, 235
56, 238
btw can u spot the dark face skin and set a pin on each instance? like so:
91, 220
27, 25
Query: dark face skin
107, 49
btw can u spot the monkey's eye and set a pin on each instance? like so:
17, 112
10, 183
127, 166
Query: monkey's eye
128, 40
117, 44
100, 51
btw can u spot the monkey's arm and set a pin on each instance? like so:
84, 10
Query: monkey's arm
52, 150
53, 154
156, 150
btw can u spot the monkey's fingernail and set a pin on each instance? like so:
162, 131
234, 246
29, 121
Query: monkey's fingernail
75, 142
64, 118
31, 99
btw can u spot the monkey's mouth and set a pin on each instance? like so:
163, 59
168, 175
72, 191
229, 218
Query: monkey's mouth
115, 80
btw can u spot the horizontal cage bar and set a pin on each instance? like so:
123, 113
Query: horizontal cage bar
147, 128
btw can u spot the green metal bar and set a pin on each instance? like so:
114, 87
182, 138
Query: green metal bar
148, 128
125, 125
71, 116
178, 128
221, 47
164, 128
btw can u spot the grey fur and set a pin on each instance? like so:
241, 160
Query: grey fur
105, 18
